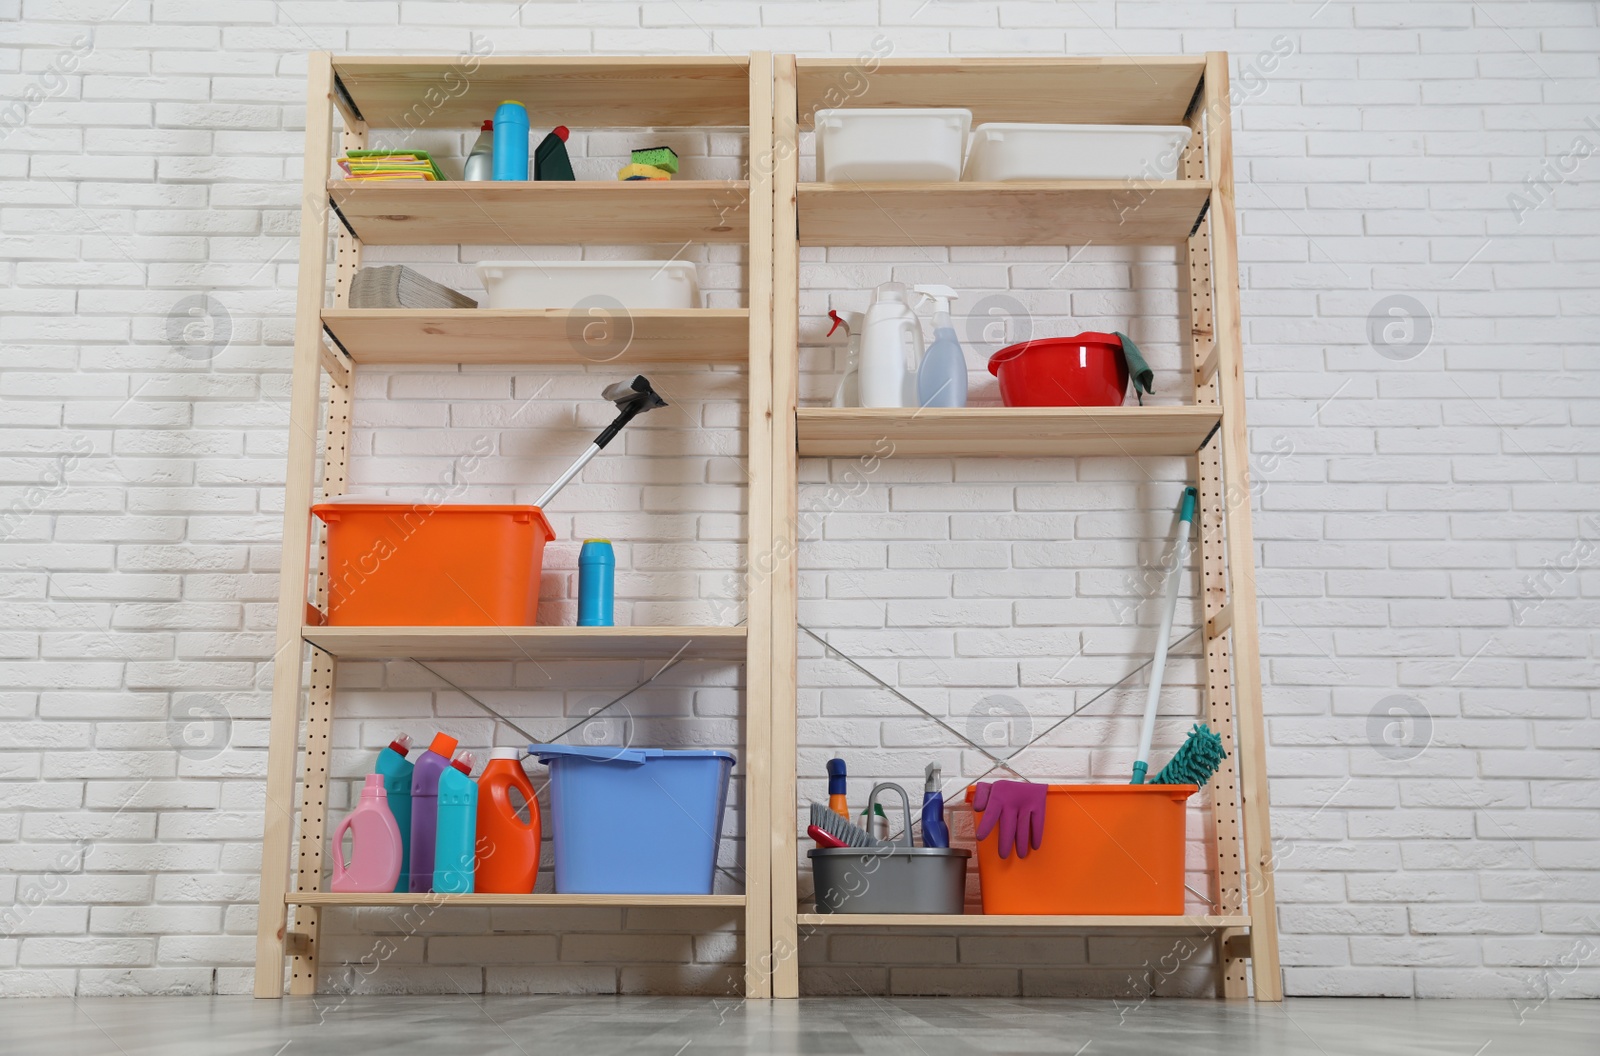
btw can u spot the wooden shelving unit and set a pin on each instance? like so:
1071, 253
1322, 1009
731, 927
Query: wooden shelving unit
990, 214
772, 214
528, 643
334, 342
1196, 211
1013, 431
641, 336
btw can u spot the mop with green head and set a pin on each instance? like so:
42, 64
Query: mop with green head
1202, 753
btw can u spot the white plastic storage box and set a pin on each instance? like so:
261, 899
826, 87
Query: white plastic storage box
1003, 152
568, 283
905, 145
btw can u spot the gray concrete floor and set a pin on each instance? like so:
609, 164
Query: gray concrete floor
601, 1026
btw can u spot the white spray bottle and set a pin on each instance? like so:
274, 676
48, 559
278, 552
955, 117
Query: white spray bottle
848, 394
942, 377
891, 348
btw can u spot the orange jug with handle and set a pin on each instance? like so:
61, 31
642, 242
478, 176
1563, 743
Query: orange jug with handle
508, 847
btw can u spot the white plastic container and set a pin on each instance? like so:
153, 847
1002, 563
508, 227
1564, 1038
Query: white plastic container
1002, 152
566, 283
870, 145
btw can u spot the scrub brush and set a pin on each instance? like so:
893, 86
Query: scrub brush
840, 829
1196, 761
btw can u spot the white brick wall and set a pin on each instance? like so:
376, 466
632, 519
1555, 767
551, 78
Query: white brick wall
1425, 515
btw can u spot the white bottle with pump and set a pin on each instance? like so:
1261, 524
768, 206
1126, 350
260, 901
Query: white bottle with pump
942, 377
891, 348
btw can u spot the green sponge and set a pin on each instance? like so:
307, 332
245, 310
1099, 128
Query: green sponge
661, 157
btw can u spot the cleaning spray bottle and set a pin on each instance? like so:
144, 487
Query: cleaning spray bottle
456, 847
891, 349
375, 845
425, 809
934, 831
942, 377
397, 772
508, 860
849, 392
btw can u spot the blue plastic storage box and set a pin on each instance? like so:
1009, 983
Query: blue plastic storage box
635, 821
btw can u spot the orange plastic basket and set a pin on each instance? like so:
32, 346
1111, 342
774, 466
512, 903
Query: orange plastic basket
1107, 849
393, 564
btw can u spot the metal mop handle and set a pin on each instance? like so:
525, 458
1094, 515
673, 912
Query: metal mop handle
633, 398
1158, 666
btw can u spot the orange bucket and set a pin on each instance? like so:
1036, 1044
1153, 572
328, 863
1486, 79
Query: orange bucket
1107, 849
395, 564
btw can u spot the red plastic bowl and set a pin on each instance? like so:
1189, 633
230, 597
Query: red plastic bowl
1088, 370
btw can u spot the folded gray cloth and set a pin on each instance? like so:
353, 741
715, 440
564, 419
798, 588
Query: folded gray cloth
397, 286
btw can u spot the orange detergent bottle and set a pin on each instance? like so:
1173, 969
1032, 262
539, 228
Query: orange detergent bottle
508, 847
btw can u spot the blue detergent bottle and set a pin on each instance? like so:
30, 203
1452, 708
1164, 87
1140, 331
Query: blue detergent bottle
935, 833
455, 855
597, 583
942, 375
396, 772
511, 141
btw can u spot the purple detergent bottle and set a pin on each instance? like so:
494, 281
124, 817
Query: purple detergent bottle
425, 809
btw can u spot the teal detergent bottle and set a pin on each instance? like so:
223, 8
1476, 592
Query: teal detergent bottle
455, 856
396, 772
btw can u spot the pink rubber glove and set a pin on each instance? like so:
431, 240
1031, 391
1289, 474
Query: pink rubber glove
1018, 808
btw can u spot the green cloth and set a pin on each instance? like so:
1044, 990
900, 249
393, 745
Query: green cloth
1138, 369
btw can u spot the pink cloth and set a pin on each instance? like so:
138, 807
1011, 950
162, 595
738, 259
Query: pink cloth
1018, 808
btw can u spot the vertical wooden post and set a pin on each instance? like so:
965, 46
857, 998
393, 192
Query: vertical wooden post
278, 823
785, 541
758, 594
1249, 722
324, 669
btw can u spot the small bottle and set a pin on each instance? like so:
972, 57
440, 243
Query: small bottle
397, 772
942, 376
597, 572
935, 833
511, 141
455, 854
550, 160
480, 163
877, 824
425, 809
837, 801
375, 845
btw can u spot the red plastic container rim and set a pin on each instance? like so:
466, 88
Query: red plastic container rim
1049, 344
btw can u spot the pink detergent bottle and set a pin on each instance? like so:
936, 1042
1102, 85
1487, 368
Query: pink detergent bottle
376, 847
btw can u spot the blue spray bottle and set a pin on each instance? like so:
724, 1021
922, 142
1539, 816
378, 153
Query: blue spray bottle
934, 831
455, 855
396, 772
942, 375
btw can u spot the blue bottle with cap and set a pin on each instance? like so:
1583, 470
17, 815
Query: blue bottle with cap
597, 583
511, 141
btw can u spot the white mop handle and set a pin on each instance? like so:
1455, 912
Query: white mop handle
566, 478
1158, 666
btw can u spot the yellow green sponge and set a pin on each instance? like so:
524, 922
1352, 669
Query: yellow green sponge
637, 171
664, 158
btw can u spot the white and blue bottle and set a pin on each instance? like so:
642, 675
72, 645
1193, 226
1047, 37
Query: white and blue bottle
942, 375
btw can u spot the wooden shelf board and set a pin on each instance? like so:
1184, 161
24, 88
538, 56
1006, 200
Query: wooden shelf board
1030, 213
1098, 91
981, 920
590, 212
528, 643
583, 92
537, 335
1007, 431
330, 898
